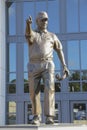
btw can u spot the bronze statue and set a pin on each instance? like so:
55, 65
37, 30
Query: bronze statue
41, 44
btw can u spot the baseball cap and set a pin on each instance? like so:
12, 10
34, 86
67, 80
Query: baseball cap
42, 15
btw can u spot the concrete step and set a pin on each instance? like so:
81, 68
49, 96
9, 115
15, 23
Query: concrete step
61, 126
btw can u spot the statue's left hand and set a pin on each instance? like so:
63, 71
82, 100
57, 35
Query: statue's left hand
65, 74
66, 71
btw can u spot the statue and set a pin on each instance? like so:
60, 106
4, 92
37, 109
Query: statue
41, 43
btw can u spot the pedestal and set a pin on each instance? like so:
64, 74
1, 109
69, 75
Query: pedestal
44, 127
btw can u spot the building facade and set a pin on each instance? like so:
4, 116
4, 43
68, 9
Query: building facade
67, 19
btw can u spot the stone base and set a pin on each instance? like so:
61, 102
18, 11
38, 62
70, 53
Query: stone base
61, 126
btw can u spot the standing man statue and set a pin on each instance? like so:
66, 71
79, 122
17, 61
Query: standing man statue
41, 45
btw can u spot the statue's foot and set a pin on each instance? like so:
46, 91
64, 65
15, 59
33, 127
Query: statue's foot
49, 120
36, 120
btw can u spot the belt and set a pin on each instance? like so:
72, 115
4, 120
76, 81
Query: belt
40, 59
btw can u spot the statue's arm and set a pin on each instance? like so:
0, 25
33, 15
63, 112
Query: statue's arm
28, 30
59, 50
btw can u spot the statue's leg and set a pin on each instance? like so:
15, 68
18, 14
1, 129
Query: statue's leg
49, 92
34, 95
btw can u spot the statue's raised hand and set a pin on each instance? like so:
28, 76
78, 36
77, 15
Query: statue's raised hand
29, 20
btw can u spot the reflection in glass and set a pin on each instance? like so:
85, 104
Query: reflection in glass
26, 84
74, 75
72, 15
11, 119
56, 61
84, 86
57, 87
79, 113
41, 6
83, 54
12, 77
56, 113
57, 82
11, 112
29, 113
11, 88
12, 107
28, 11
26, 87
12, 18
84, 75
54, 20
26, 77
73, 55
12, 57
74, 86
83, 15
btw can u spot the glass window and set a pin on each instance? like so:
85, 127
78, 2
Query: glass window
84, 86
73, 55
12, 107
83, 54
74, 86
11, 18
26, 77
11, 88
84, 75
79, 113
29, 113
74, 75
57, 86
53, 12
74, 81
11, 77
41, 6
56, 61
26, 83
72, 15
56, 119
57, 81
84, 80
83, 15
28, 11
12, 57
11, 113
26, 87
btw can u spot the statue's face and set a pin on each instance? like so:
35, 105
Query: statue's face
42, 23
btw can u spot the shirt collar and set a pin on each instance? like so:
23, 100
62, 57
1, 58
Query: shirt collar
44, 31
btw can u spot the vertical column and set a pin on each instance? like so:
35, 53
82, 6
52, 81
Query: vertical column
64, 43
2, 62
20, 65
65, 111
63, 16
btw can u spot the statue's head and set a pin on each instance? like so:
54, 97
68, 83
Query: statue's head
42, 20
42, 15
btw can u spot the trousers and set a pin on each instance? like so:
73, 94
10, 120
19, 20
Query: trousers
36, 72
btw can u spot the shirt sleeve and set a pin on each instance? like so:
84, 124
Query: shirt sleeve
59, 49
57, 43
30, 39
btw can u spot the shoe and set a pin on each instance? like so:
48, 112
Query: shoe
49, 120
36, 120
